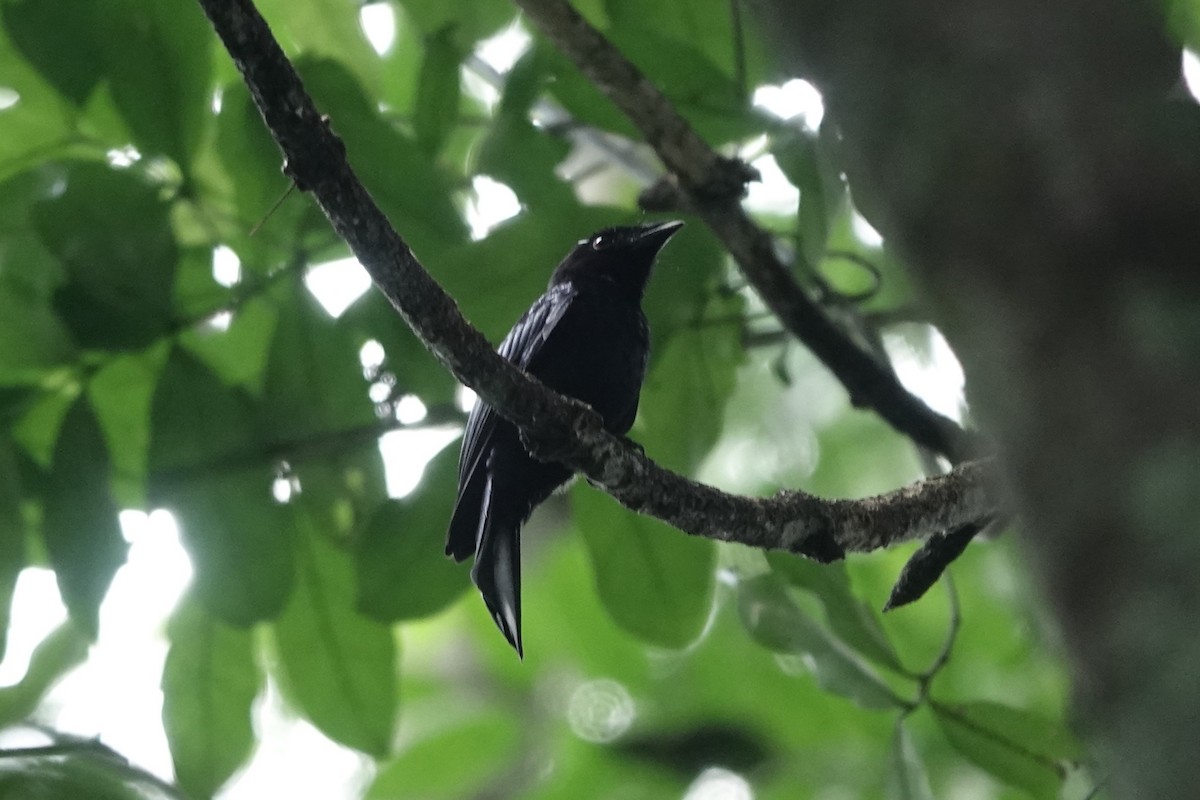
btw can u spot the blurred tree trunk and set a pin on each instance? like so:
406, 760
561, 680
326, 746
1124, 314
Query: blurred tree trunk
1039, 166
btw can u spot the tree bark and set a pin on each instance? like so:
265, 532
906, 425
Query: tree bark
1038, 166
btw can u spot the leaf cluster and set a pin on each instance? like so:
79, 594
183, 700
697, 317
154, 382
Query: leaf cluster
130, 377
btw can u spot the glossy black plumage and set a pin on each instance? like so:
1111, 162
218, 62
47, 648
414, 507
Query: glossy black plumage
585, 337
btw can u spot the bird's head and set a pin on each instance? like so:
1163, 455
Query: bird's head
623, 256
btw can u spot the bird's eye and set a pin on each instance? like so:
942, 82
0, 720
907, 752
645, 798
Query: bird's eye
600, 242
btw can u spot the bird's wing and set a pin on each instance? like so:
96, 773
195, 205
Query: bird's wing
521, 346
523, 343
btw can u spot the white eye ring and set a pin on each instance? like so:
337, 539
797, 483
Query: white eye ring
600, 242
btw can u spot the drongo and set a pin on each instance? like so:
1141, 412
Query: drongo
586, 337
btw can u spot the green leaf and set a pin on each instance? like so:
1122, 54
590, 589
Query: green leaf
14, 399
579, 96
33, 338
524, 158
58, 37
196, 292
496, 278
1018, 747
706, 97
27, 266
780, 625
858, 457
706, 25
63, 649
328, 29
110, 231
239, 540
121, 393
251, 161
314, 382
12, 534
400, 559
36, 431
416, 196
197, 421
101, 123
517, 153
415, 369
238, 355
523, 85
799, 159
337, 666
209, 683
434, 766
688, 76
850, 619
473, 19
39, 124
684, 288
656, 582
79, 768
343, 488
207, 465
240, 170
401, 65
157, 58
683, 402
80, 528
438, 90
907, 779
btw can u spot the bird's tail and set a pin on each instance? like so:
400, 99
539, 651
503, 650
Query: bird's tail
497, 569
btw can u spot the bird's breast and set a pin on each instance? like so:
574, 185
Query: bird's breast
598, 354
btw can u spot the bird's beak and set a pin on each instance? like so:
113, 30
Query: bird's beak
653, 237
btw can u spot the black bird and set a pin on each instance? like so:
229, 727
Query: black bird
586, 337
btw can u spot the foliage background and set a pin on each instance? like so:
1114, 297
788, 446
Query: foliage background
129, 151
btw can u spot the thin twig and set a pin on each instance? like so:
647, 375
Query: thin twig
326, 444
65, 746
862, 263
943, 657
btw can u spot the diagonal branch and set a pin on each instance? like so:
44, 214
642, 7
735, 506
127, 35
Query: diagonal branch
712, 186
558, 428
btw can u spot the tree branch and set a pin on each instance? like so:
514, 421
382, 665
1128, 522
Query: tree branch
712, 186
65, 746
558, 428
